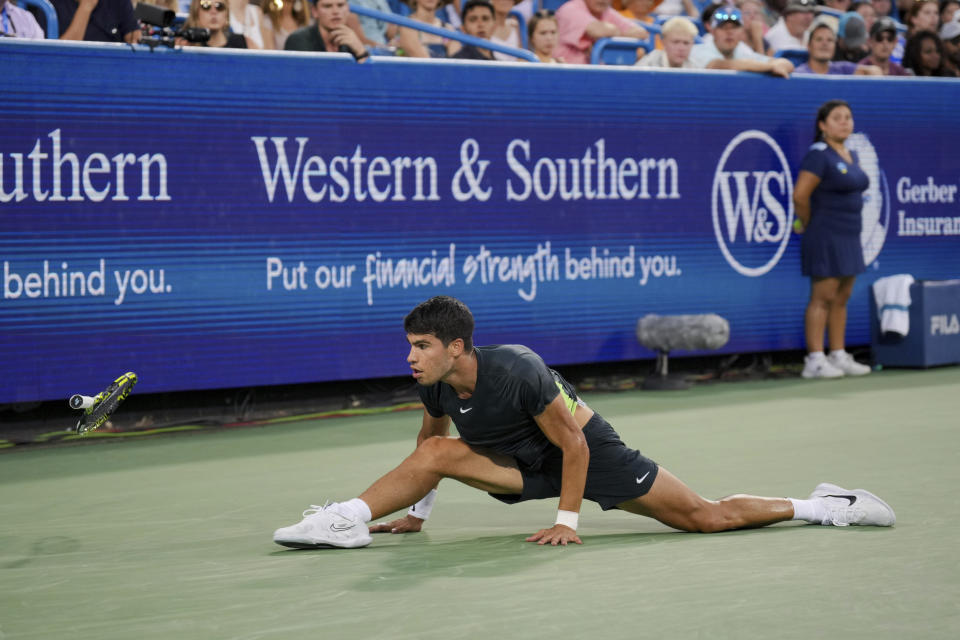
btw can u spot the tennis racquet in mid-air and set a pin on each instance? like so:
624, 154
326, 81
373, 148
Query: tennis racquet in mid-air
98, 409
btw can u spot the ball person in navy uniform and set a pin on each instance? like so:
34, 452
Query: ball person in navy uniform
828, 199
524, 434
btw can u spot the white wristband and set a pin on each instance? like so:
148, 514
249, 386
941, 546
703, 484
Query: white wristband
423, 508
567, 518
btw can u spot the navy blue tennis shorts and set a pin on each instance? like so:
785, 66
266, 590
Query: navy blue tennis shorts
616, 472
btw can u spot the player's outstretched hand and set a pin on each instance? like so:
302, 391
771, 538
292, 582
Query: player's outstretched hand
557, 534
408, 524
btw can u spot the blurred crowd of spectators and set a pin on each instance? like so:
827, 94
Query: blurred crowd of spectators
779, 37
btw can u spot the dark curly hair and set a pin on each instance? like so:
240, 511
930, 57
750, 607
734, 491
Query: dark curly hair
445, 317
913, 60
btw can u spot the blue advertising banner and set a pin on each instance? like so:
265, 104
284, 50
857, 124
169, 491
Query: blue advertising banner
214, 219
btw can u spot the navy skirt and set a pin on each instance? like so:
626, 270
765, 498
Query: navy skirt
828, 254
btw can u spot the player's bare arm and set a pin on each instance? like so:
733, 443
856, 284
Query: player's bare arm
806, 183
560, 427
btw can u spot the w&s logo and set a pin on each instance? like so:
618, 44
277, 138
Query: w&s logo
752, 203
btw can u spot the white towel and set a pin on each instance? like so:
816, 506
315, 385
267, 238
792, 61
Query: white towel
892, 295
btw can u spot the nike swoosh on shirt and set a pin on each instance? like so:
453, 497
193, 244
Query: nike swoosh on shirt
462, 410
640, 480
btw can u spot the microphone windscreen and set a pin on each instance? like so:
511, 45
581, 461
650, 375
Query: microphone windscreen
683, 332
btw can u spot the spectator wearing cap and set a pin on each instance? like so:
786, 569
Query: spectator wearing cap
924, 56
97, 20
721, 51
678, 35
851, 38
950, 36
789, 31
583, 22
867, 12
18, 23
883, 38
821, 46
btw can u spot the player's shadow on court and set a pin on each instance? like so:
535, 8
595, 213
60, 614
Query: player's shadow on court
413, 558
419, 560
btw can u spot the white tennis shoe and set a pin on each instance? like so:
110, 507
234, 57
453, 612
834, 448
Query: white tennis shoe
326, 526
819, 366
844, 362
845, 507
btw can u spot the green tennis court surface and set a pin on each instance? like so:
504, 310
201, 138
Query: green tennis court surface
170, 537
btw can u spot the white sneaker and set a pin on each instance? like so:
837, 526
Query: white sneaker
845, 362
325, 526
818, 366
845, 507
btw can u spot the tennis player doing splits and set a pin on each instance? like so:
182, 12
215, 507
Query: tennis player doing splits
525, 435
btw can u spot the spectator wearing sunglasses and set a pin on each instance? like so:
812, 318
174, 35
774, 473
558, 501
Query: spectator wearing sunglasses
822, 45
213, 15
18, 23
582, 22
97, 20
883, 38
329, 33
725, 48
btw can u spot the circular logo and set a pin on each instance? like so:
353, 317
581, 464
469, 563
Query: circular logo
876, 199
752, 203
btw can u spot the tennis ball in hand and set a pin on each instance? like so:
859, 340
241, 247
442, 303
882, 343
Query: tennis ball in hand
797, 225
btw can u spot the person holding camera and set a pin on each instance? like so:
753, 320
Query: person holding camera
213, 15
